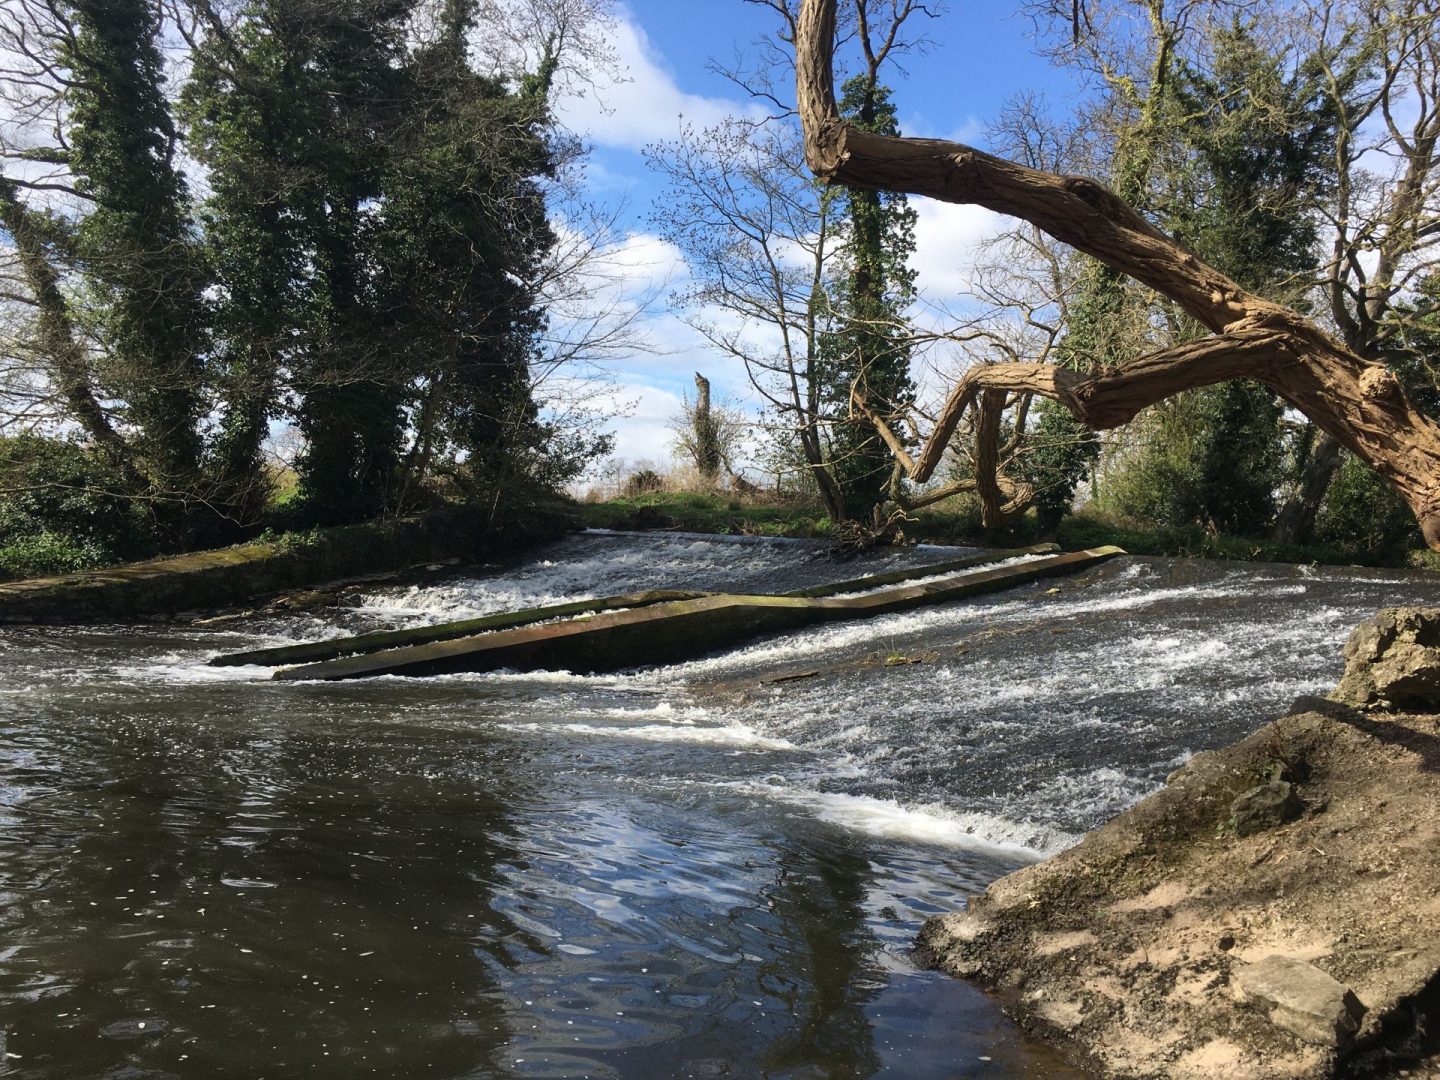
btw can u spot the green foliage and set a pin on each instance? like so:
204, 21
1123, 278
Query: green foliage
387, 282
250, 121
868, 344
1059, 453
63, 507
44, 553
1260, 132
1212, 458
135, 246
1254, 143
1364, 517
709, 512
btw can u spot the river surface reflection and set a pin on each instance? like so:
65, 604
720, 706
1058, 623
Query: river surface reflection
683, 872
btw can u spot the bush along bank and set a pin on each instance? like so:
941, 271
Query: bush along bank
230, 576
716, 512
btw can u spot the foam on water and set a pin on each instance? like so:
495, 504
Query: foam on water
930, 579
1035, 714
735, 735
596, 564
930, 823
599, 563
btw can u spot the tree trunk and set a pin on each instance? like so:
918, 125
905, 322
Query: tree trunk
708, 458
1295, 523
1357, 402
63, 358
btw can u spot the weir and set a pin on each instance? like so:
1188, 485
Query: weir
334, 648
635, 630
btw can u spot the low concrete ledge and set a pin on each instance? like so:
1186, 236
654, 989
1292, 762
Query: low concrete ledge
673, 631
229, 576
364, 644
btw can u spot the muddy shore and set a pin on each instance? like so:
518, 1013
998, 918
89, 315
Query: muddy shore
1272, 912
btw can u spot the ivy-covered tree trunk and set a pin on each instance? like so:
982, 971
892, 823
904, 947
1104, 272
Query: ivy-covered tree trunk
135, 244
868, 349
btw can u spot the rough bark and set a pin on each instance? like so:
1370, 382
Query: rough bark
708, 457
1296, 523
1358, 402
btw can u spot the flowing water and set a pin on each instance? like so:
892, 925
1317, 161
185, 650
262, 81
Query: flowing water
712, 869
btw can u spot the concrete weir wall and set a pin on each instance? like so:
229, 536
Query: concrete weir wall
363, 644
231, 576
679, 629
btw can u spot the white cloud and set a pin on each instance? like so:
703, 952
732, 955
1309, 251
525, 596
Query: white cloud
646, 104
948, 237
643, 432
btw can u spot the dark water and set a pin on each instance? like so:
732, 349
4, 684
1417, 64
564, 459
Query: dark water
679, 872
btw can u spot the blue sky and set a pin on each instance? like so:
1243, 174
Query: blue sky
982, 56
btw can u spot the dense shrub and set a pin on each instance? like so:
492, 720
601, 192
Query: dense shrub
644, 482
1364, 517
63, 508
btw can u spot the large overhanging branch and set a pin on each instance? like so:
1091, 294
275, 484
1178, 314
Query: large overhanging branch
1357, 401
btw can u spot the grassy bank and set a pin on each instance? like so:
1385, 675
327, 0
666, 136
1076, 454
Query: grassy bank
693, 511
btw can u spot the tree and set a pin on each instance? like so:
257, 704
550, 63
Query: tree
386, 288
135, 245
1380, 64
763, 248
868, 345
1253, 135
248, 125
1358, 401
708, 433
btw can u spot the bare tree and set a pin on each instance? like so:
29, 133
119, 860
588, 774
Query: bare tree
1354, 399
763, 248
1381, 64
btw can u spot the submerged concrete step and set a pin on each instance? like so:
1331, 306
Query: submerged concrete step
675, 630
334, 648
875, 581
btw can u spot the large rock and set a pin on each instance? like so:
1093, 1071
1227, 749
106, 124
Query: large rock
1265, 807
1393, 661
1302, 999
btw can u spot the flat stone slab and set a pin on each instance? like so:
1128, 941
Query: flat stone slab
1302, 999
676, 630
363, 644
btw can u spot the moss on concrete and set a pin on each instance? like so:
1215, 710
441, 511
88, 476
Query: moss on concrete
229, 576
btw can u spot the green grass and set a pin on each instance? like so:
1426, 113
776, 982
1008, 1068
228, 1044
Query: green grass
703, 512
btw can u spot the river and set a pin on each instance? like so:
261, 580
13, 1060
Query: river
711, 869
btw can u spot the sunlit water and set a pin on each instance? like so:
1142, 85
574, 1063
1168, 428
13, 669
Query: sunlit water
691, 871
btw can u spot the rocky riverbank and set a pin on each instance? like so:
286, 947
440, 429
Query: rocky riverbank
1272, 912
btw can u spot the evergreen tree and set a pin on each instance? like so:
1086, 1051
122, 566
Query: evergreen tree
248, 125
135, 244
1253, 133
295, 107
1261, 138
350, 379
462, 240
